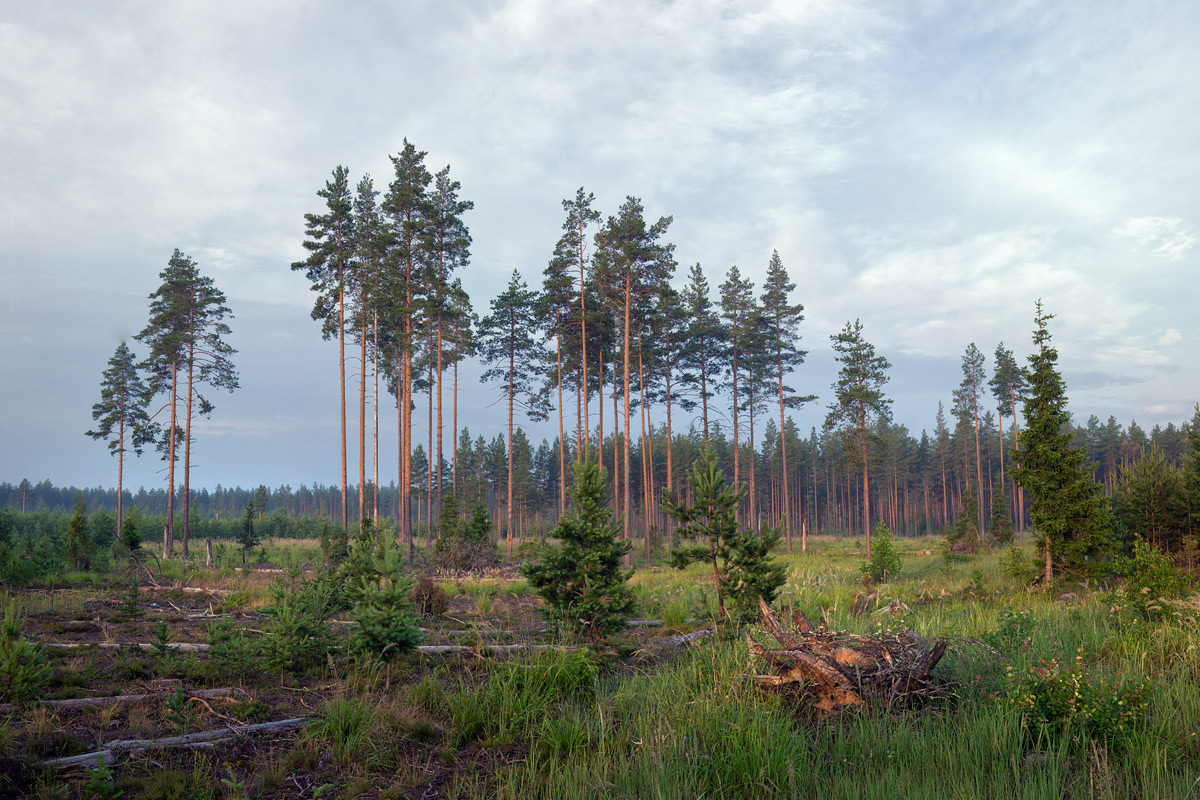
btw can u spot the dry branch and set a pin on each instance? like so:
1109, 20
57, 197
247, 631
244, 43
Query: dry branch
834, 671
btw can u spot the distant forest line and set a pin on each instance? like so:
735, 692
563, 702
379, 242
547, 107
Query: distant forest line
918, 482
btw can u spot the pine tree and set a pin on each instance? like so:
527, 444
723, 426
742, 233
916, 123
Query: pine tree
1008, 386
186, 338
331, 244
406, 207
703, 342
631, 264
122, 406
859, 401
247, 538
739, 555
448, 245
509, 341
782, 319
966, 407
737, 306
1065, 505
388, 626
581, 579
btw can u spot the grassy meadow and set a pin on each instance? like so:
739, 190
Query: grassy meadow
1069, 693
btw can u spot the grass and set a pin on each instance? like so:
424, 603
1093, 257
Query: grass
692, 723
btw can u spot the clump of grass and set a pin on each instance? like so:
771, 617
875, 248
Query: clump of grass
345, 724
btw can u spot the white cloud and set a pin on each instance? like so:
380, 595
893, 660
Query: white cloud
1170, 237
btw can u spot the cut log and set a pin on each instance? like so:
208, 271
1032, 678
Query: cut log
109, 754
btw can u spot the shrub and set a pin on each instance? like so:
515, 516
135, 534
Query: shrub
884, 561
1150, 578
300, 630
1075, 707
429, 598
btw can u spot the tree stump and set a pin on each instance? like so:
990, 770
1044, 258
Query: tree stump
834, 671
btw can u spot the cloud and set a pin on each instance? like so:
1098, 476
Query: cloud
1165, 236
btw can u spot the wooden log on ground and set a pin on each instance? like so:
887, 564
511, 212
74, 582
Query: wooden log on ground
109, 754
180, 647
111, 700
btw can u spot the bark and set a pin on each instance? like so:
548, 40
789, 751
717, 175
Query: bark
169, 529
625, 359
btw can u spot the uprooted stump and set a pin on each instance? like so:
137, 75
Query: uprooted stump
834, 671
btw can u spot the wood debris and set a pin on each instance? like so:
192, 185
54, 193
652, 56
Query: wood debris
833, 671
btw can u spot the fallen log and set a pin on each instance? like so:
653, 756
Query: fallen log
180, 647
834, 671
111, 700
109, 754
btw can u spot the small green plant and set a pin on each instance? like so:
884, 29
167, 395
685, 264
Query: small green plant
178, 713
300, 631
885, 561
162, 638
99, 782
383, 608
1074, 707
1013, 633
234, 789
1151, 578
23, 668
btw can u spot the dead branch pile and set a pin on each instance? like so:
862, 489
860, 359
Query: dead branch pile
833, 671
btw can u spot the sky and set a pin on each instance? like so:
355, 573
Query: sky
931, 168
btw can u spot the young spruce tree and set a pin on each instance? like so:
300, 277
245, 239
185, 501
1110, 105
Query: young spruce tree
1065, 505
582, 579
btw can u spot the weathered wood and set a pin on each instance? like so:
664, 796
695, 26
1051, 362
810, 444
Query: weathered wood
837, 671
109, 754
687, 638
111, 700
768, 618
181, 647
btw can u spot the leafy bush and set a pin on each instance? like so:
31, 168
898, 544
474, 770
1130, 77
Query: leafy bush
1150, 577
1074, 706
884, 561
1013, 633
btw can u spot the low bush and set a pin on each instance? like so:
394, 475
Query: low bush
1073, 707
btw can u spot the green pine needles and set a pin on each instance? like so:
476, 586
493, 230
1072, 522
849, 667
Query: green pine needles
740, 559
582, 579
383, 608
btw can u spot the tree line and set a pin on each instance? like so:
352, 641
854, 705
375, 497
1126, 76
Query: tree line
681, 366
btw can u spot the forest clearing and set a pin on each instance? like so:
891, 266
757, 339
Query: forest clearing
1076, 692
